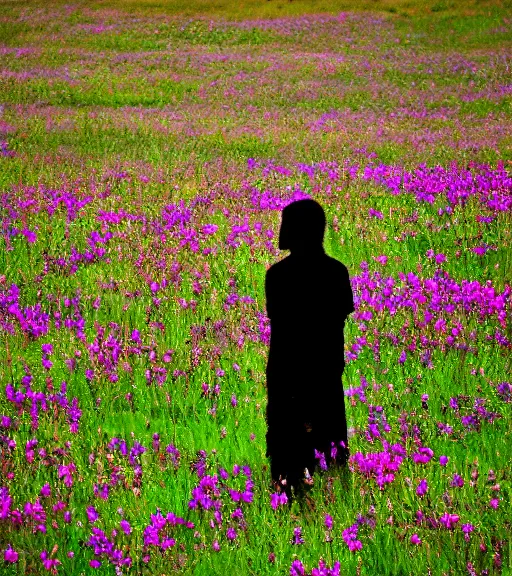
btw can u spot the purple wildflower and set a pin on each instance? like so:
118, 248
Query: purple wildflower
350, 538
457, 481
46, 490
467, 529
422, 488
297, 569
297, 536
49, 563
10, 555
449, 520
423, 455
92, 514
375, 214
278, 500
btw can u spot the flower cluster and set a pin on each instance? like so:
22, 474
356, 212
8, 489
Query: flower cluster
381, 466
158, 532
297, 569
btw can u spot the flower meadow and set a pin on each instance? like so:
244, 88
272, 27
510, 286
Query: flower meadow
145, 157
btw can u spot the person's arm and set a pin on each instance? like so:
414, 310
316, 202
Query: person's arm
347, 295
269, 293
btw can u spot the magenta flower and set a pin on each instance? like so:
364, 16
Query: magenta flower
423, 455
49, 563
92, 514
231, 533
375, 214
322, 569
247, 496
415, 539
297, 569
167, 357
10, 555
297, 536
467, 529
422, 488
5, 422
443, 460
278, 500
494, 503
47, 348
67, 473
504, 390
30, 235
457, 481
320, 456
453, 403
354, 545
350, 538
29, 449
480, 250
449, 520
210, 229
125, 526
168, 543
46, 490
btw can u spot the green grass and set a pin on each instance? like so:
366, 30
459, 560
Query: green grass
167, 105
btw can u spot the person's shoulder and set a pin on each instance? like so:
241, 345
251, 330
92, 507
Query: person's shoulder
336, 265
278, 267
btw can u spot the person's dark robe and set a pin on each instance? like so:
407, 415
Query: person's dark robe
308, 297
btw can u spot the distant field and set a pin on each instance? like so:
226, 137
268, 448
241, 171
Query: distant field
146, 152
246, 9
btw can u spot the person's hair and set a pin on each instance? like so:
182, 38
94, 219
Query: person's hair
302, 225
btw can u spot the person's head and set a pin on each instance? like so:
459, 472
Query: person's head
302, 226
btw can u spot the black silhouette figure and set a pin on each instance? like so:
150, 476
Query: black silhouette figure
308, 297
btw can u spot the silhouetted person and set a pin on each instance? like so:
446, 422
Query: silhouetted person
308, 297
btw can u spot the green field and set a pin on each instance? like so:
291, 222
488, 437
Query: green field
147, 149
